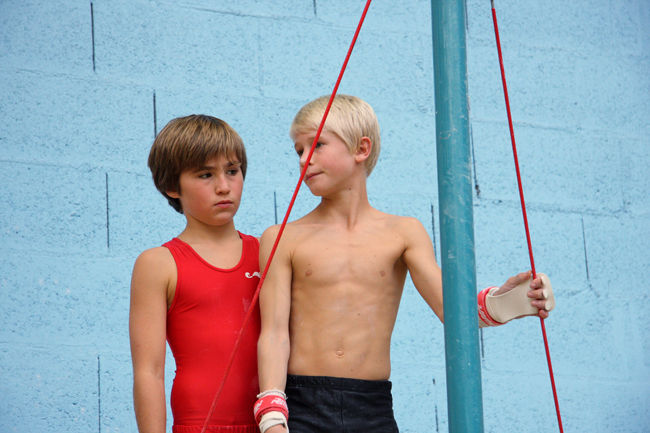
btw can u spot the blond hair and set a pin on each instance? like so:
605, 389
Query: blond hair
350, 118
186, 143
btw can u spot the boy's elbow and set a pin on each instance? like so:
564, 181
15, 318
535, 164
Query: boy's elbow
273, 335
272, 338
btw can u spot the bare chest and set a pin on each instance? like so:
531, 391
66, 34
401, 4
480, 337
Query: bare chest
339, 258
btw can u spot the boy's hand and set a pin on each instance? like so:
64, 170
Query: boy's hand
537, 293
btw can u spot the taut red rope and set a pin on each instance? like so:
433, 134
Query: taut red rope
523, 210
286, 218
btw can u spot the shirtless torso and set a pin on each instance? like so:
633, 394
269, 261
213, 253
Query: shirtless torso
346, 283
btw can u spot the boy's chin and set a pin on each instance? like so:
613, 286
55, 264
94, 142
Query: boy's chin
317, 192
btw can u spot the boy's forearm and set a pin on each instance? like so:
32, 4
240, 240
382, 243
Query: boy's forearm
273, 358
149, 403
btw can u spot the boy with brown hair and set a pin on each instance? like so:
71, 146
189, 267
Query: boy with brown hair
195, 290
330, 299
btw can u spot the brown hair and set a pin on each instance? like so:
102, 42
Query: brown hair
186, 143
350, 117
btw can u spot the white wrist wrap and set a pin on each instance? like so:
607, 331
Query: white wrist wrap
271, 419
516, 303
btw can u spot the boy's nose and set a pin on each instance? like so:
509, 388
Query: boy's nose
221, 185
303, 159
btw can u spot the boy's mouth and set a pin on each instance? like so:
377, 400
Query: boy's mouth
224, 203
310, 175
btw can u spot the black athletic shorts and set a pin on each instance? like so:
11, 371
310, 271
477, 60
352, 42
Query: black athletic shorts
321, 404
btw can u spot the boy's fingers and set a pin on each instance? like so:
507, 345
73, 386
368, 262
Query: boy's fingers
517, 279
538, 294
536, 283
522, 276
541, 304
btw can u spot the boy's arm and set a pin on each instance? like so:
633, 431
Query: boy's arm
147, 329
427, 277
275, 306
420, 259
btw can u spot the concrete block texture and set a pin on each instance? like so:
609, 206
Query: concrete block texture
46, 36
67, 119
48, 389
66, 298
411, 16
147, 42
86, 86
52, 208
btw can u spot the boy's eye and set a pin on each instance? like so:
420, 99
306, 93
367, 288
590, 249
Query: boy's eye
205, 175
301, 151
233, 171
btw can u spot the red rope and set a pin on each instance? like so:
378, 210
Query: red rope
284, 221
523, 210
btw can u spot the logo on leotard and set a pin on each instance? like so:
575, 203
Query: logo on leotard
253, 275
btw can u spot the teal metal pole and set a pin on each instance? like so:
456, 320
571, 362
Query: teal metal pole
464, 397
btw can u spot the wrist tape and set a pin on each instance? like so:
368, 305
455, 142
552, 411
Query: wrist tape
271, 409
496, 310
485, 319
271, 419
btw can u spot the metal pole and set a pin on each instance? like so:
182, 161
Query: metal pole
465, 406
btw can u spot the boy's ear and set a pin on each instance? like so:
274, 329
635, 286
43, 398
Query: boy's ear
173, 194
363, 149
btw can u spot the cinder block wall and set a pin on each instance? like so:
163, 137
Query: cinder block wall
84, 87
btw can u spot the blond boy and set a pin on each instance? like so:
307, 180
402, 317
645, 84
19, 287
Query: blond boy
330, 299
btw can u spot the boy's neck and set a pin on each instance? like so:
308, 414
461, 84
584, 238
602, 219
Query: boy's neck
196, 232
346, 206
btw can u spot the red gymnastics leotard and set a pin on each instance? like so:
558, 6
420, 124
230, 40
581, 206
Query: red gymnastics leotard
202, 325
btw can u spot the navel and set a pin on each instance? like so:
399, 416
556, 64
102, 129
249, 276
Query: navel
308, 272
339, 353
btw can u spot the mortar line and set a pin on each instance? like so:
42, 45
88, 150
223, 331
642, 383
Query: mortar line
92, 31
108, 226
99, 396
435, 393
275, 207
433, 231
584, 248
155, 116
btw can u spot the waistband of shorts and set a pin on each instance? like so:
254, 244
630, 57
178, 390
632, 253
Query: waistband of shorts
341, 383
176, 428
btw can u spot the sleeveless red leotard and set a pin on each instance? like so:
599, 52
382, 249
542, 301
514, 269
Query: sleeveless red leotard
202, 325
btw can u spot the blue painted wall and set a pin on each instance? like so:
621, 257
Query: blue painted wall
79, 115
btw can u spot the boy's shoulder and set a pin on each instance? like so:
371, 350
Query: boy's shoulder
154, 272
155, 258
390, 222
396, 219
